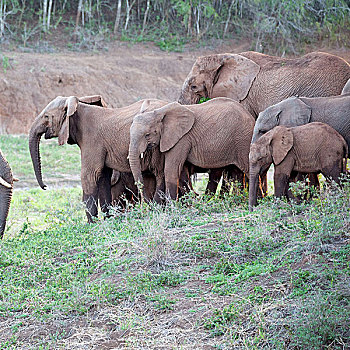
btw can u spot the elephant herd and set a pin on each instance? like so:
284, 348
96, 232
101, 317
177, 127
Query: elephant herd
294, 113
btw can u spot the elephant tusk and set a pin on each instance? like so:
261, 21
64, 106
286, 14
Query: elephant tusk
141, 155
5, 183
127, 157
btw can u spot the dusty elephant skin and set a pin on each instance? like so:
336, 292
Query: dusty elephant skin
102, 135
259, 81
294, 111
6, 189
210, 135
310, 148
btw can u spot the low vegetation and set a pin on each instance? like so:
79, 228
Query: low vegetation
200, 273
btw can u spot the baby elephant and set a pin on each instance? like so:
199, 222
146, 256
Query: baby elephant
310, 148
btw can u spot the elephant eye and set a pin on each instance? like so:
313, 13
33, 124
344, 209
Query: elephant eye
147, 135
193, 87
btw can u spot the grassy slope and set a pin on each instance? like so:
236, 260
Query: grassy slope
204, 273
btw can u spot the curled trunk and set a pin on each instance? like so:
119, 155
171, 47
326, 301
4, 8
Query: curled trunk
34, 141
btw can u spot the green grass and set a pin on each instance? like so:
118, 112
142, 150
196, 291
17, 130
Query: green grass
196, 273
58, 162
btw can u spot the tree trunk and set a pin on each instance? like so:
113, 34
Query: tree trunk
145, 17
117, 17
77, 18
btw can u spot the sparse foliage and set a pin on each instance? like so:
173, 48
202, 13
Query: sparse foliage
272, 26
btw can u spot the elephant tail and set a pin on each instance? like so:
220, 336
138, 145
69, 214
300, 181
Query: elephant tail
345, 155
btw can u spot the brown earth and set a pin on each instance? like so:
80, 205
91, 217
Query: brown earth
122, 75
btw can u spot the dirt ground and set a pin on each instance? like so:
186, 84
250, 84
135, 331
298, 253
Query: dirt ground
122, 74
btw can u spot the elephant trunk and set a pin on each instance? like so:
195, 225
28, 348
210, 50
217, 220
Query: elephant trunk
5, 200
253, 188
186, 95
134, 161
36, 131
5, 192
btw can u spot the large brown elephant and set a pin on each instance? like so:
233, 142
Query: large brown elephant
103, 137
314, 147
210, 135
258, 81
6, 189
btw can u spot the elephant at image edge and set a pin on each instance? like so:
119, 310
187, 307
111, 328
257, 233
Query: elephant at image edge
294, 111
6, 189
210, 135
314, 147
258, 81
103, 137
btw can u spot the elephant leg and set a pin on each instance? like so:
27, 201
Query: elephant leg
281, 182
90, 200
185, 183
150, 185
174, 162
104, 190
90, 175
214, 179
333, 173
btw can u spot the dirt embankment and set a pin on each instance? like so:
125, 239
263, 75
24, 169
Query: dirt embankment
122, 75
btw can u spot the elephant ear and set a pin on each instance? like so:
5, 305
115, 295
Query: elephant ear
233, 76
96, 100
70, 107
177, 120
293, 112
281, 142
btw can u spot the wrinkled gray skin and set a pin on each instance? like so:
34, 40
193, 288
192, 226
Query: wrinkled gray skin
210, 135
6, 189
310, 148
103, 137
294, 111
258, 81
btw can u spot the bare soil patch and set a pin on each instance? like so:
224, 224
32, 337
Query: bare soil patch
122, 74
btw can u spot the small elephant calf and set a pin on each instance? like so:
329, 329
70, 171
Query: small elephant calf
310, 148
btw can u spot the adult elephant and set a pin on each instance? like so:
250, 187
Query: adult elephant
210, 135
294, 111
103, 137
258, 81
6, 188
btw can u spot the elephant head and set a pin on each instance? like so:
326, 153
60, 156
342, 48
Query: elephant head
6, 188
53, 121
289, 112
221, 75
162, 127
346, 88
272, 147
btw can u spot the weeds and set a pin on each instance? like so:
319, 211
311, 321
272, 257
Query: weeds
199, 272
